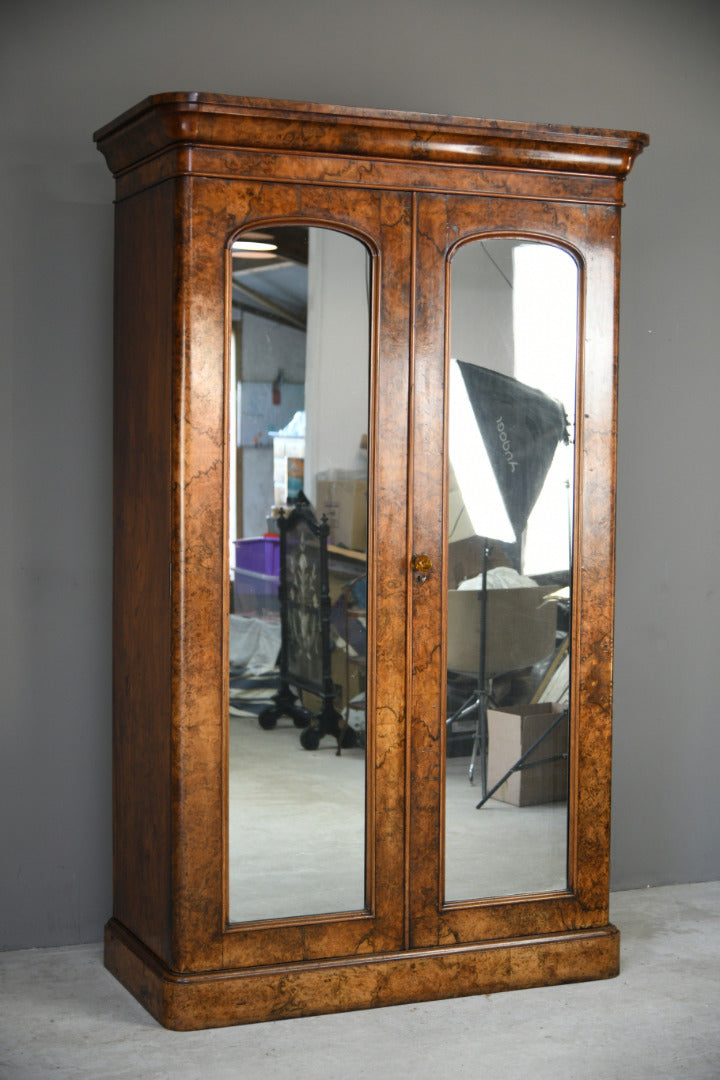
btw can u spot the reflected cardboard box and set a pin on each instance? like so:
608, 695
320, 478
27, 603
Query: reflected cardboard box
521, 627
511, 732
343, 499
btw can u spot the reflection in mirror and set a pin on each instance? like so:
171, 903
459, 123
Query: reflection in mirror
513, 343
299, 376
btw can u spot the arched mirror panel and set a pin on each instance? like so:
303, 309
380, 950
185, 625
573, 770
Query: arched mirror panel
298, 497
511, 422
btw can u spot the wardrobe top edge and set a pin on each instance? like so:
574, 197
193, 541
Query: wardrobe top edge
215, 119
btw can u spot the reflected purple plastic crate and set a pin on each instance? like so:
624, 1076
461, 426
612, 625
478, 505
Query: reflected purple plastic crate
257, 574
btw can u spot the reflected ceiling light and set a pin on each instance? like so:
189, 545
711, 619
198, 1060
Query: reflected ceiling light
245, 255
254, 245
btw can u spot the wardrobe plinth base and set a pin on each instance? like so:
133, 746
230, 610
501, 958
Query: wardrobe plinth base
192, 1001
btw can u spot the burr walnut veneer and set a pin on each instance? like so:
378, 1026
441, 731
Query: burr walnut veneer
192, 170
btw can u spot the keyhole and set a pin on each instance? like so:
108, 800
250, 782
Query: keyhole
422, 564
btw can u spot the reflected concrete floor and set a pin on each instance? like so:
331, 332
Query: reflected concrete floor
501, 849
297, 824
62, 1016
297, 830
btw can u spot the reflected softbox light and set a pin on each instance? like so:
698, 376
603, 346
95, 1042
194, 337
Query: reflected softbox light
520, 428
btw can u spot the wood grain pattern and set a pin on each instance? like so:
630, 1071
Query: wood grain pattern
192, 170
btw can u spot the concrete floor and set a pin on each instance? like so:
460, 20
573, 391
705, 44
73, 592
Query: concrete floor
62, 1016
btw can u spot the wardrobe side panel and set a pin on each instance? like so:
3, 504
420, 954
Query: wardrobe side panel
142, 794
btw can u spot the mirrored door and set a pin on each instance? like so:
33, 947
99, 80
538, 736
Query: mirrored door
496, 515
314, 374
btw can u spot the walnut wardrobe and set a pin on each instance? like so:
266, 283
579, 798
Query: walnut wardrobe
437, 299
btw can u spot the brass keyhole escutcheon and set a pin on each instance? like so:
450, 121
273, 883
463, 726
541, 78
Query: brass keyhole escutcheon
422, 565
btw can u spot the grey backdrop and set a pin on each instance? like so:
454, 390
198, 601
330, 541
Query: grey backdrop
67, 68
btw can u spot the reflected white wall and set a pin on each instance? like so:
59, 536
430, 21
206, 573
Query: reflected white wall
337, 364
545, 287
482, 292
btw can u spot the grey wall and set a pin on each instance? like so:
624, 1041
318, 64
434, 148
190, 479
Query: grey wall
68, 67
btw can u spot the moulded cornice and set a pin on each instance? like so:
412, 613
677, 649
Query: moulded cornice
197, 119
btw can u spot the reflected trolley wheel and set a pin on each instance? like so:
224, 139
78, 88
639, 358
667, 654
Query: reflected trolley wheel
267, 719
310, 738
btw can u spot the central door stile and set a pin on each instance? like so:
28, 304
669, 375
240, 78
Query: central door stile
427, 582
